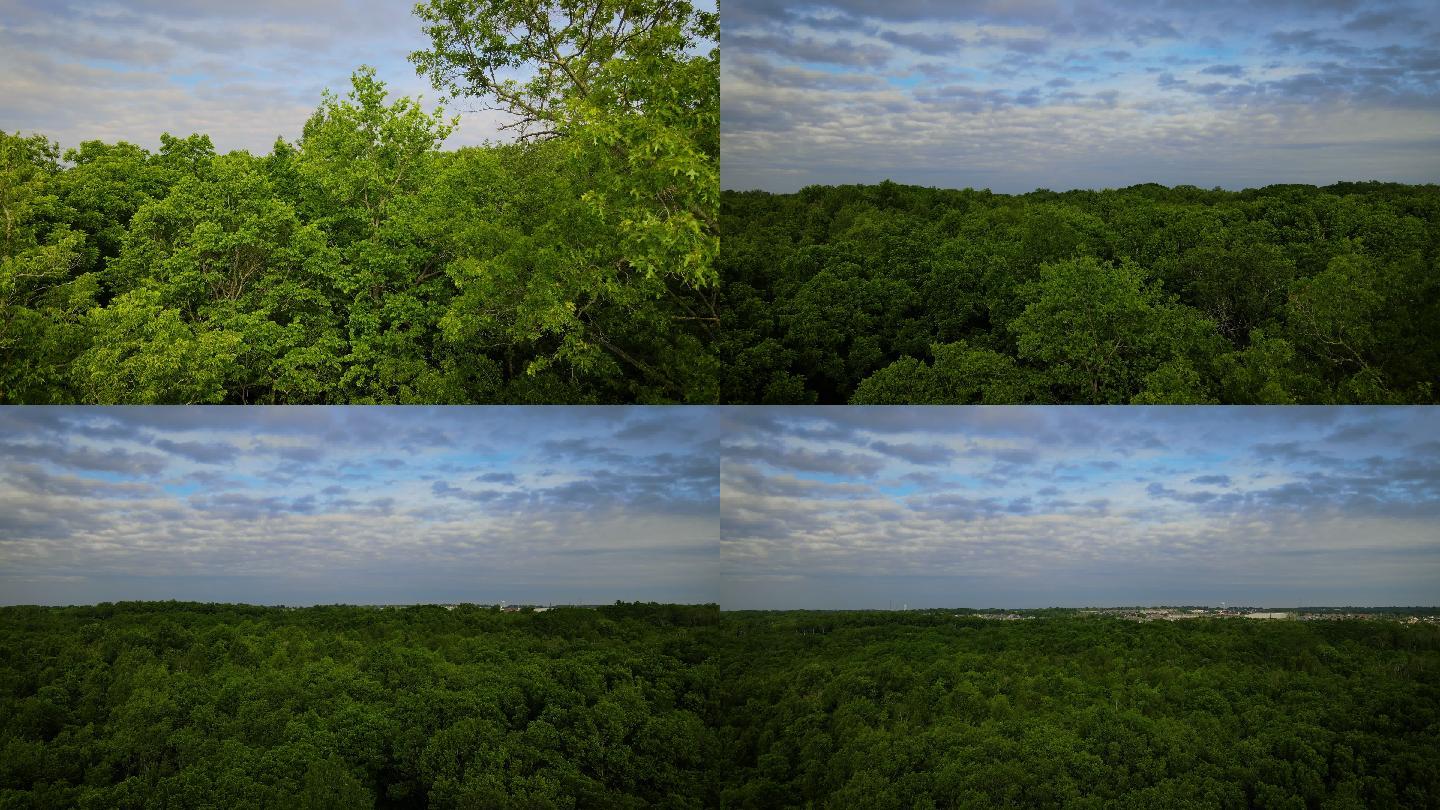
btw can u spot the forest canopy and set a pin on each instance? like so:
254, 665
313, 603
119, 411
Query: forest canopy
891, 711
361, 263
138, 705
892, 294
174, 704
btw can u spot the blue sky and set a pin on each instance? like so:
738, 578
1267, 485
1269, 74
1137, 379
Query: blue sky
243, 73
306, 505
1071, 506
1059, 94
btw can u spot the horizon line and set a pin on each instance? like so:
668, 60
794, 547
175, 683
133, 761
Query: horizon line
1426, 184
623, 603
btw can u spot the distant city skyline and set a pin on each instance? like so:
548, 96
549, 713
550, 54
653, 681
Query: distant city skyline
1062, 94
1025, 507
363, 505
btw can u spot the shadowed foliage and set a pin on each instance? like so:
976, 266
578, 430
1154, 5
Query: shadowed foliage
893, 294
939, 710
166, 704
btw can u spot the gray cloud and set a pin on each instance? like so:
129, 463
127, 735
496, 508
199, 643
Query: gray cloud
839, 52
835, 462
202, 452
914, 453
112, 460
921, 42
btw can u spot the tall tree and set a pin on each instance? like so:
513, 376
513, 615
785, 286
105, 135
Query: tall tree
42, 292
630, 90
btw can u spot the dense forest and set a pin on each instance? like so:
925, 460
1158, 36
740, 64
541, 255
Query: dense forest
892, 294
361, 263
880, 710
169, 705
166, 704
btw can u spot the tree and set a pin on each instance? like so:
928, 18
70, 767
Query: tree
370, 176
42, 291
230, 256
1333, 314
145, 353
1100, 328
1145, 294
359, 156
329, 785
961, 374
627, 272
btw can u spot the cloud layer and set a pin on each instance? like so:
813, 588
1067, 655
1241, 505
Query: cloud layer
1079, 93
370, 505
1022, 507
243, 73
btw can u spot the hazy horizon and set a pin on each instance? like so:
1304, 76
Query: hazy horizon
1152, 606
548, 605
1063, 190
298, 605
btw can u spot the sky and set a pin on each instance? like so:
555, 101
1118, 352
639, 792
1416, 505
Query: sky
324, 505
243, 73
1026, 507
1015, 95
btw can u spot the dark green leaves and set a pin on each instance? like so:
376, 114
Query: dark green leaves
1141, 295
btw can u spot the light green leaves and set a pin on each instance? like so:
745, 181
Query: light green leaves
145, 353
615, 277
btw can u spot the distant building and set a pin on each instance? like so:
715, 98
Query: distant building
1268, 615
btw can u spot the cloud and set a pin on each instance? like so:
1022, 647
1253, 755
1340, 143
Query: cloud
1069, 94
241, 507
242, 73
111, 460
1379, 20
834, 462
1153, 29
133, 503
921, 42
915, 453
32, 480
201, 452
1158, 490
839, 52
1078, 505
